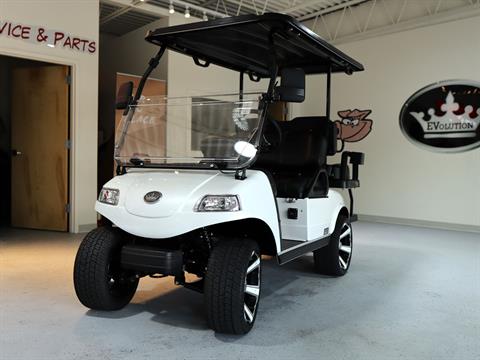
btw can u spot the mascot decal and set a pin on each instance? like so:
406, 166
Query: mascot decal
353, 125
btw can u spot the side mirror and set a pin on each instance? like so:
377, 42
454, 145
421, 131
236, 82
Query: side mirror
292, 85
124, 95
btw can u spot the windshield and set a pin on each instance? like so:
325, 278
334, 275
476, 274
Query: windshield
208, 131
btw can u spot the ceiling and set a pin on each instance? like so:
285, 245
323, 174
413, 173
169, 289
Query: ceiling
118, 19
336, 20
296, 8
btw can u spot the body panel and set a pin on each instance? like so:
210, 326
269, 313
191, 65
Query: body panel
314, 216
174, 213
181, 190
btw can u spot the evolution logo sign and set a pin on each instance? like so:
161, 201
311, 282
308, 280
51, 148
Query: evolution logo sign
51, 38
444, 116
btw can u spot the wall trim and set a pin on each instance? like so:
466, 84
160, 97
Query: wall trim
420, 223
83, 228
139, 76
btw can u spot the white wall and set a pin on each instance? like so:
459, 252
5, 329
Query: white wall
400, 180
130, 53
79, 18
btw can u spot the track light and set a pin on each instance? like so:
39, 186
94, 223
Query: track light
187, 12
205, 17
171, 9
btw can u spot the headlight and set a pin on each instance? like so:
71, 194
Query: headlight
218, 203
109, 196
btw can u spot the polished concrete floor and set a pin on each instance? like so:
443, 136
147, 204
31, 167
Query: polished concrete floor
411, 293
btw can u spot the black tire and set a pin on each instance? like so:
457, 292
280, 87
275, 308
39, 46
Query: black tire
335, 258
226, 293
100, 282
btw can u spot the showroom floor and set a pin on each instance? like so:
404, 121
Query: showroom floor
411, 293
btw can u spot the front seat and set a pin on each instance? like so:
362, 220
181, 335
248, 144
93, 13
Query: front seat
297, 165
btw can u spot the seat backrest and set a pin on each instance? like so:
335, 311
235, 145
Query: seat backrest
306, 142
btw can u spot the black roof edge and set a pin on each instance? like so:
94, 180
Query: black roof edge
335, 56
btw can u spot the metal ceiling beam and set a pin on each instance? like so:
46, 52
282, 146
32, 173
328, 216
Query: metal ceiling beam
331, 9
305, 4
200, 8
127, 5
423, 21
247, 4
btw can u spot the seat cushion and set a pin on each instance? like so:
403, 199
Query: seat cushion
293, 185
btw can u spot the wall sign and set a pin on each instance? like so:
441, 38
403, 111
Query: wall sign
354, 125
444, 116
47, 37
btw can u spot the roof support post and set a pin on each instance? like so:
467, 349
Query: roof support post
152, 64
329, 89
273, 79
241, 86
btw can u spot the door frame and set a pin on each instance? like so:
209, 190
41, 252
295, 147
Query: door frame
71, 216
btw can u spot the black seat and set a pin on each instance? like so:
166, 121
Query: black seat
298, 163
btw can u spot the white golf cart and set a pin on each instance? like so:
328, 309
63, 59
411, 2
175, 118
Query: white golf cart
208, 185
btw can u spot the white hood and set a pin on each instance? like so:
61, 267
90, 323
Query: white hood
173, 214
175, 188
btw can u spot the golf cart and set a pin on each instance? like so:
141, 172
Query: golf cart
209, 185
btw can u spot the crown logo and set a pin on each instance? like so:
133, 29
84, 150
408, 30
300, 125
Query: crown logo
449, 125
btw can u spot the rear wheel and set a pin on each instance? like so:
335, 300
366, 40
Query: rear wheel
232, 286
335, 258
100, 282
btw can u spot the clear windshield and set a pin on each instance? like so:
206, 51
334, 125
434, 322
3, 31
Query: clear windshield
209, 131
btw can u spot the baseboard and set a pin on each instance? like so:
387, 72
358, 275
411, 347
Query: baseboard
86, 227
421, 223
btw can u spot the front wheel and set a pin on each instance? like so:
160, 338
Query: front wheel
100, 282
334, 259
232, 286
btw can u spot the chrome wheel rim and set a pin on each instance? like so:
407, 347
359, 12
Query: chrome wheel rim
345, 246
252, 287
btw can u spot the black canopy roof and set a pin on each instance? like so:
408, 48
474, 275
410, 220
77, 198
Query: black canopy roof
244, 43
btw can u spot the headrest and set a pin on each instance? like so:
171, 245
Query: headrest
292, 85
325, 129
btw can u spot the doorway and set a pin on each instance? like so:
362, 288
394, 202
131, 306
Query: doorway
34, 144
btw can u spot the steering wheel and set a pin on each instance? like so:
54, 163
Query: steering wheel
272, 136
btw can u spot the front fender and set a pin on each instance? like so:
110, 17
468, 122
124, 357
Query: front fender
174, 213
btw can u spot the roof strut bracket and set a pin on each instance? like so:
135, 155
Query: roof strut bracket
241, 174
254, 77
199, 62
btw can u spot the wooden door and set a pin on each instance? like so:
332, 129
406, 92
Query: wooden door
39, 152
